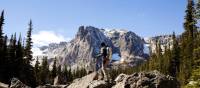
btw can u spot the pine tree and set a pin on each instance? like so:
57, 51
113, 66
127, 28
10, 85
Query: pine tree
196, 57
166, 59
159, 56
175, 59
1, 29
19, 55
44, 73
59, 70
187, 43
37, 71
3, 62
1, 46
54, 70
11, 56
70, 75
28, 52
28, 73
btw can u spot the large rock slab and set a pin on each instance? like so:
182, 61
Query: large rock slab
2, 85
152, 79
88, 82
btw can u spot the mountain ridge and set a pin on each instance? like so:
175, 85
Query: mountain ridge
126, 46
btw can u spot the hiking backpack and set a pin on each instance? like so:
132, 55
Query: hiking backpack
105, 51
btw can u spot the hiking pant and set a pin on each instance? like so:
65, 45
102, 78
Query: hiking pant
104, 66
98, 63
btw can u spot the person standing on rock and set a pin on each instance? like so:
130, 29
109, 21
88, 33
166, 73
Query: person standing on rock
107, 55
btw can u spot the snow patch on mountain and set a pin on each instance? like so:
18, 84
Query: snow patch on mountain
111, 32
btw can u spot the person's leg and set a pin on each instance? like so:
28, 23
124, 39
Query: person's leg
104, 66
98, 66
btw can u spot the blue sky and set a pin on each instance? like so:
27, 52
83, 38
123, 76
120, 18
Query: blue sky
63, 17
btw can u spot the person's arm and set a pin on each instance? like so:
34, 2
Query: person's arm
110, 53
100, 53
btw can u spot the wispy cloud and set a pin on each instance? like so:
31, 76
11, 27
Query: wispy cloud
46, 37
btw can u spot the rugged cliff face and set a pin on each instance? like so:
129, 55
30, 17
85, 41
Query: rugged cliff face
164, 40
81, 51
126, 43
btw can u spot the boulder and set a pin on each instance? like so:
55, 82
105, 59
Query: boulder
2, 85
88, 82
16, 83
152, 79
98, 84
53, 86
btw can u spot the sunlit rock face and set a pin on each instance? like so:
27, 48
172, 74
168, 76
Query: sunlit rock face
165, 41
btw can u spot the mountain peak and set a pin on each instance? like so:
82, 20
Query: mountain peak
81, 51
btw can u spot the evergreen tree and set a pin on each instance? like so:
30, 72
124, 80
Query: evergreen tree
44, 73
11, 57
59, 70
28, 52
166, 60
196, 57
19, 56
54, 69
1, 29
159, 56
175, 59
28, 73
187, 43
70, 75
1, 46
37, 71
3, 62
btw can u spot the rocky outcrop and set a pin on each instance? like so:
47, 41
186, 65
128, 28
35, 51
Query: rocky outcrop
88, 82
2, 85
152, 79
131, 46
52, 86
126, 43
164, 40
16, 83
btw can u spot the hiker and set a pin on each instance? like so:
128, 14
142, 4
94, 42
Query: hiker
106, 53
102, 61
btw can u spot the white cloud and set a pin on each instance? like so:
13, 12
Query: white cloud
46, 37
